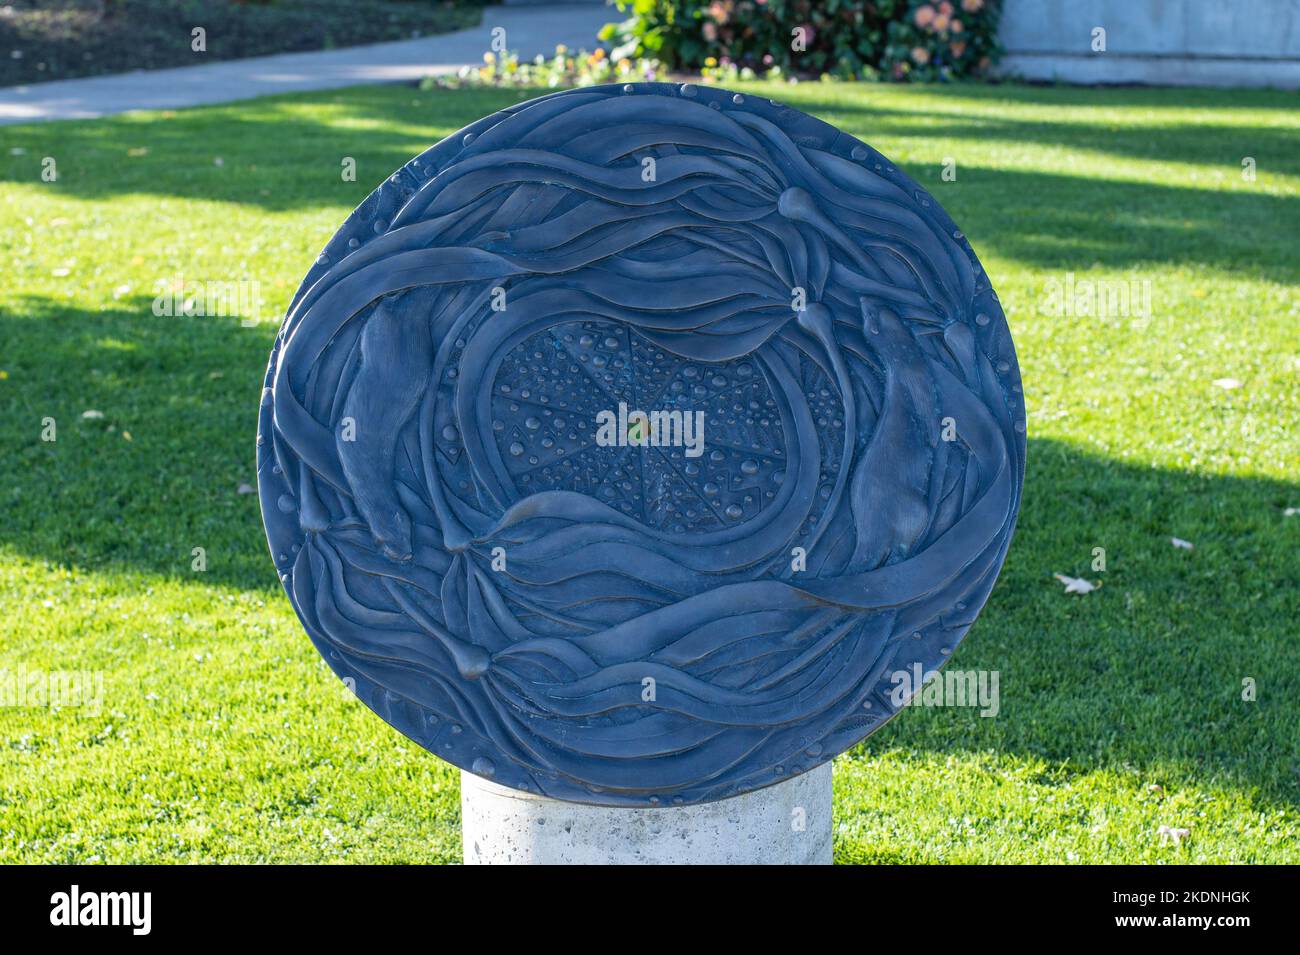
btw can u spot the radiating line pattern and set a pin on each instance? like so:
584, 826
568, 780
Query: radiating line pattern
625, 626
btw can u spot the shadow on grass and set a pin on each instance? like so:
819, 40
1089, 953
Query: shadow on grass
1060, 222
185, 390
1178, 99
1144, 673
276, 153
286, 153
1218, 145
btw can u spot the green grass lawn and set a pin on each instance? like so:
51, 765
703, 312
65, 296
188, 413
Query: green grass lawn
223, 736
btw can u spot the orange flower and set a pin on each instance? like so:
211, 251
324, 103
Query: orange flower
958, 47
957, 26
945, 8
972, 6
921, 55
941, 22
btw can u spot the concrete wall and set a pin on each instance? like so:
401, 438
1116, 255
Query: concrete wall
1179, 42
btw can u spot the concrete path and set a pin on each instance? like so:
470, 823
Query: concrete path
529, 30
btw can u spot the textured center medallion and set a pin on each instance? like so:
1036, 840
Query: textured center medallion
595, 408
625, 446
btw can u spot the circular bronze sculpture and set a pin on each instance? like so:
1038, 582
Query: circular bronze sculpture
621, 446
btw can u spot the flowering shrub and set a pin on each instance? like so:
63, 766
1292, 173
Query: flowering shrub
848, 39
737, 40
941, 40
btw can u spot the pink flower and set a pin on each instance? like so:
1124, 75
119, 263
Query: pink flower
941, 22
972, 6
957, 26
945, 8
710, 31
921, 55
924, 16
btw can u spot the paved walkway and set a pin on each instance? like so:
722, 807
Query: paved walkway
529, 30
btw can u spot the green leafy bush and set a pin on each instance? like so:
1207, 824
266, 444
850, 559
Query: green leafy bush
849, 39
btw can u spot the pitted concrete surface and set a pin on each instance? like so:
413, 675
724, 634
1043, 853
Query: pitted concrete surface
785, 824
529, 30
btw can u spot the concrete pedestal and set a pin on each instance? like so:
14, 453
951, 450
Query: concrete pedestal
785, 824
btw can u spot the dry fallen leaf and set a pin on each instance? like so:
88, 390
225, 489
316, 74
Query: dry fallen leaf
1076, 585
1180, 543
1169, 834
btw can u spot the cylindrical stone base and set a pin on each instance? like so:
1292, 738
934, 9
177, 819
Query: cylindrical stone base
785, 824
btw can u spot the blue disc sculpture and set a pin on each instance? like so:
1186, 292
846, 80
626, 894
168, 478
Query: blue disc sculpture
621, 447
